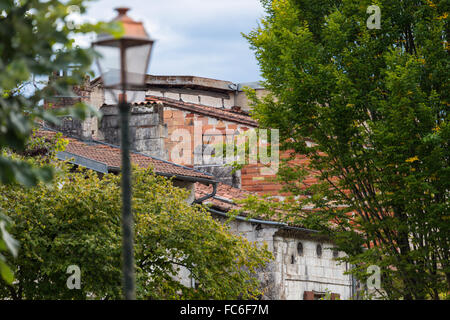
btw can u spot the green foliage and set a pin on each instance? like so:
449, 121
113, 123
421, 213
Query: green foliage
76, 220
328, 296
376, 105
170, 231
36, 40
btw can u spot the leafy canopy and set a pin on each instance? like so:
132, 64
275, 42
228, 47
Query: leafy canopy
36, 41
375, 104
76, 220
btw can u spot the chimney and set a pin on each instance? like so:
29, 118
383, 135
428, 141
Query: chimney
71, 126
147, 128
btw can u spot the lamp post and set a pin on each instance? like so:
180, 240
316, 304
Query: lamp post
123, 64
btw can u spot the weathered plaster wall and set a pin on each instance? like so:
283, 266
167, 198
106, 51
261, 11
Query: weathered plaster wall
207, 97
308, 272
189, 186
204, 97
111, 96
284, 280
242, 101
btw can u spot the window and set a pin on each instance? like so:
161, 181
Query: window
213, 150
315, 295
319, 250
300, 249
335, 253
292, 259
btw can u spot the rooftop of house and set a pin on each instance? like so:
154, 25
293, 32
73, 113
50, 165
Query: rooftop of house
106, 157
225, 197
233, 115
225, 200
191, 82
194, 82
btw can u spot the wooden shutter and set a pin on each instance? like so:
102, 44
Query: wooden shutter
308, 295
335, 296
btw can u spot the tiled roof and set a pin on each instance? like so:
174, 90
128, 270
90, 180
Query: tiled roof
223, 114
110, 155
223, 201
225, 194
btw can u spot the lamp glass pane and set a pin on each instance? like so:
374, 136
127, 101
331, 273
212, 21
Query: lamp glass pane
109, 64
137, 58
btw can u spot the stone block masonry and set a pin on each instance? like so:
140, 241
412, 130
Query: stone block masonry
147, 129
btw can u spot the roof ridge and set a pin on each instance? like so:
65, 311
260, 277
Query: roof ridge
196, 105
153, 157
227, 114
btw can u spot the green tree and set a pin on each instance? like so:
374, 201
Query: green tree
36, 40
375, 104
75, 220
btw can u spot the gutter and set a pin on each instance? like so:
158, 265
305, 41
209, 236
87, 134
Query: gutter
208, 196
267, 222
186, 178
173, 175
82, 161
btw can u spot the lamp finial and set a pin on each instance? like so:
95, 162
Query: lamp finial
122, 10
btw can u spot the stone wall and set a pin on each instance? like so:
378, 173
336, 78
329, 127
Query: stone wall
290, 274
308, 272
189, 186
147, 129
224, 174
242, 101
205, 97
70, 126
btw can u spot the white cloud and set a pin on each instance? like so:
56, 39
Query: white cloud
194, 37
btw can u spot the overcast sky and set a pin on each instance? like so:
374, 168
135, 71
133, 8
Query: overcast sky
194, 37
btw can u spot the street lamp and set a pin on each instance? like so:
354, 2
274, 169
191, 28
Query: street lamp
123, 64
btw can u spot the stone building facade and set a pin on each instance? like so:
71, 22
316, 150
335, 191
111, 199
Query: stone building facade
203, 91
305, 264
217, 108
298, 271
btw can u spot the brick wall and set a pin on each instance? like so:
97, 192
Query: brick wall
191, 137
260, 178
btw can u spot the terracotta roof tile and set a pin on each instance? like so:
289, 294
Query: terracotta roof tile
110, 155
223, 201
